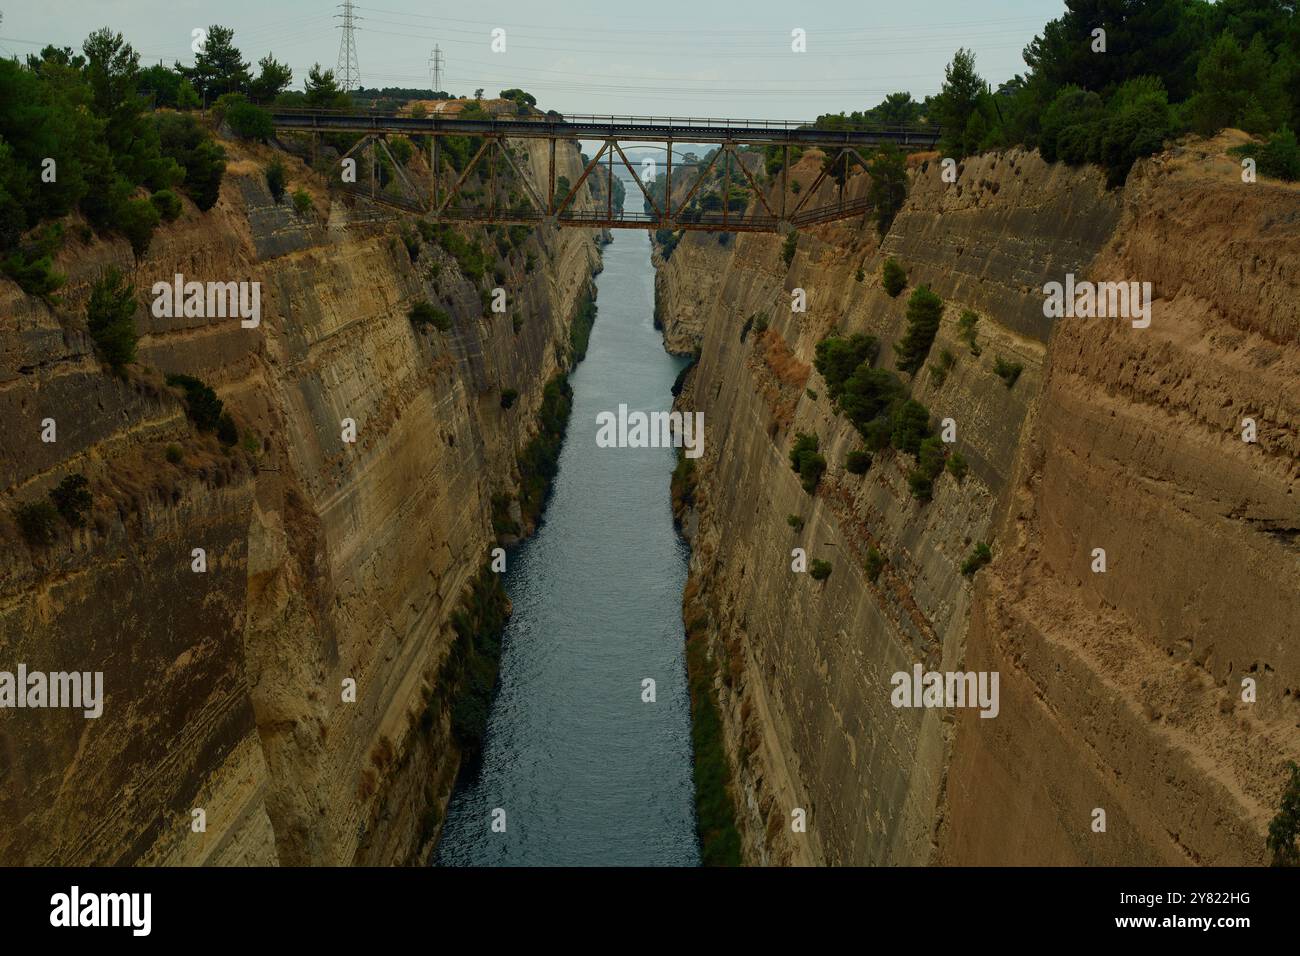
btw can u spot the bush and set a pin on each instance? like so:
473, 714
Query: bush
877, 433
957, 466
819, 570
924, 310
37, 521
425, 313
187, 143
508, 396
893, 278
858, 462
794, 521
980, 556
227, 431
138, 218
789, 246
875, 564
110, 317
930, 457
248, 121
966, 330
939, 370
811, 469
174, 454
72, 499
302, 203
1278, 156
921, 487
910, 426
167, 203
201, 402
1007, 371
275, 180
838, 358
1284, 830
803, 445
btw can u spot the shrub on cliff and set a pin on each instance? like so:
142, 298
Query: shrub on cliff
245, 120
957, 466
803, 445
275, 180
910, 423
110, 317
1278, 156
979, 556
167, 203
811, 469
858, 462
893, 277
874, 565
1007, 371
888, 187
788, 247
302, 203
137, 219
187, 143
508, 396
201, 402
966, 331
924, 310
424, 313
838, 358
819, 570
1284, 830
805, 460
37, 521
72, 499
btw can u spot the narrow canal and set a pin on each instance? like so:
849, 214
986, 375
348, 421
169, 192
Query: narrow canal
586, 772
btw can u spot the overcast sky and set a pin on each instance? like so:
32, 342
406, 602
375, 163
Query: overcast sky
715, 58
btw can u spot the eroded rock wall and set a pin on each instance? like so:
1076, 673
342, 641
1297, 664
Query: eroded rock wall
326, 561
1054, 462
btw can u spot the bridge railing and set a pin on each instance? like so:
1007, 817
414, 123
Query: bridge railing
612, 120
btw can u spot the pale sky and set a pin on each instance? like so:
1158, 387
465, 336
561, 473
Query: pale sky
681, 58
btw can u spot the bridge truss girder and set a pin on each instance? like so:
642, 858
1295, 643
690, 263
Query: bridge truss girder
559, 210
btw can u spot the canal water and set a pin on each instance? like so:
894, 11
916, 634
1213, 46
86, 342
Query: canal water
586, 772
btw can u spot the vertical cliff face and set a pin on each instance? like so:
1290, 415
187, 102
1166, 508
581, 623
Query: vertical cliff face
1112, 685
327, 561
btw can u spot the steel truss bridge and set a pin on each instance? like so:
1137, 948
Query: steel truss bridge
842, 147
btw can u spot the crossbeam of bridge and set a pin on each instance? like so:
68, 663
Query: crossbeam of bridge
842, 148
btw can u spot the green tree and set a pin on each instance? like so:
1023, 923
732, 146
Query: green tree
219, 67
1237, 87
273, 79
138, 218
957, 102
888, 189
275, 179
323, 90
72, 498
110, 317
924, 310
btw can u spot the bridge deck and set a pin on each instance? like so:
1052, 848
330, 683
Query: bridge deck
626, 128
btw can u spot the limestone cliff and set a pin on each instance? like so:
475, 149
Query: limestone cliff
1119, 690
326, 560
